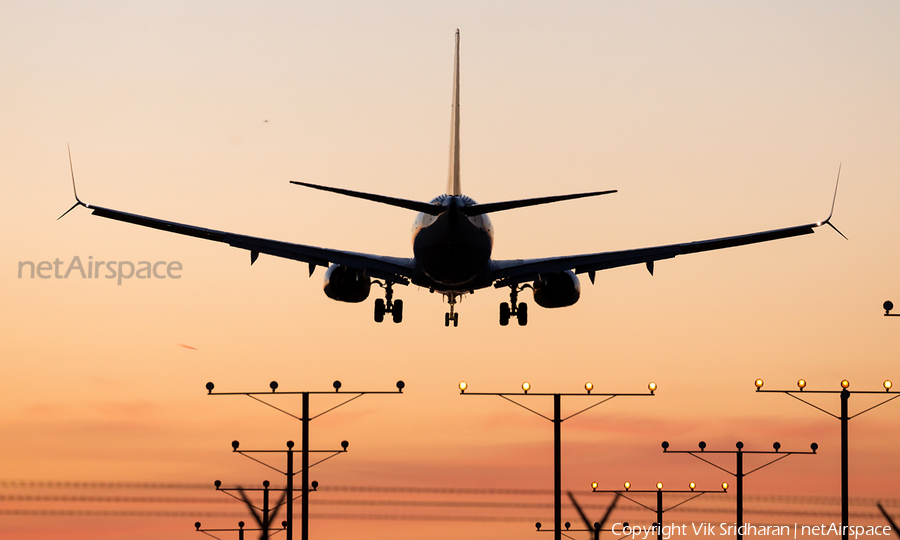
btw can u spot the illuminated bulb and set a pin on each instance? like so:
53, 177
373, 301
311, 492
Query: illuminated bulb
526, 386
659, 485
725, 486
588, 386
652, 386
887, 385
627, 486
801, 384
463, 386
845, 384
594, 485
692, 486
758, 383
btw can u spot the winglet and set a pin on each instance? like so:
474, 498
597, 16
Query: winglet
833, 201
74, 191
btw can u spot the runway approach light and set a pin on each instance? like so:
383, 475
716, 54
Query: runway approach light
659, 485
463, 386
652, 387
758, 383
627, 486
724, 486
594, 485
588, 386
526, 386
692, 486
801, 384
887, 385
845, 384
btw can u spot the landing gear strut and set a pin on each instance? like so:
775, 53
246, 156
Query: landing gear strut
516, 309
452, 315
388, 305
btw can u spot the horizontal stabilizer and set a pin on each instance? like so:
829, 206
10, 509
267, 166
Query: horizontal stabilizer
418, 206
478, 209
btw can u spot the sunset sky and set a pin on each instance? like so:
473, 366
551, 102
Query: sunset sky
710, 119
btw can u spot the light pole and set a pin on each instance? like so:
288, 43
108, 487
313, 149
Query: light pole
888, 306
659, 510
305, 419
557, 428
739, 473
845, 419
289, 473
240, 530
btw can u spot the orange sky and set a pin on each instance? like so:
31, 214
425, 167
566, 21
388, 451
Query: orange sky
710, 119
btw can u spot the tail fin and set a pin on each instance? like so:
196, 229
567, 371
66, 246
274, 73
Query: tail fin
453, 184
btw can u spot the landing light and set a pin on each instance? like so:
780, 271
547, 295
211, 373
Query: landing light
759, 383
659, 485
463, 386
887, 385
589, 386
526, 386
692, 486
652, 387
627, 486
845, 384
594, 485
801, 384
725, 486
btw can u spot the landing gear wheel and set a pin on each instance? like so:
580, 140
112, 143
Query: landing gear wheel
504, 314
446, 319
522, 314
455, 320
397, 311
379, 310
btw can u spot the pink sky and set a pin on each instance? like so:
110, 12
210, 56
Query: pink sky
710, 119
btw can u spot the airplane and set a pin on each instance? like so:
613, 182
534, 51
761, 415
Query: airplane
452, 243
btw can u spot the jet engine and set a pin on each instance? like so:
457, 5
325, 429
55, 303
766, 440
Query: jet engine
559, 289
346, 284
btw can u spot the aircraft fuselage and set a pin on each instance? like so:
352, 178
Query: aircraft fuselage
452, 251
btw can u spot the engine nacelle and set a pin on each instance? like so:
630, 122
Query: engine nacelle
346, 284
559, 289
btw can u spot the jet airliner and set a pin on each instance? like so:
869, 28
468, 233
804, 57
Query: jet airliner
452, 243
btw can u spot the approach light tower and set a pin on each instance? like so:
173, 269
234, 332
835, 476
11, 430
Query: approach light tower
738, 473
845, 419
305, 419
659, 510
557, 428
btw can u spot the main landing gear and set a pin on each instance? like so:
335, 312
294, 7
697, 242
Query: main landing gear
388, 305
452, 315
519, 310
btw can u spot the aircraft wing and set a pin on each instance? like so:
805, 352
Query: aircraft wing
393, 269
511, 272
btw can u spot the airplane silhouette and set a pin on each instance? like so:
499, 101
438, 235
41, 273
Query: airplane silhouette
452, 243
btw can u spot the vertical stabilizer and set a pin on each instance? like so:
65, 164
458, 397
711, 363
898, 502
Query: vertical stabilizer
453, 185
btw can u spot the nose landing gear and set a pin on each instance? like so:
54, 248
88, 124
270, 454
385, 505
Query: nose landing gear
452, 316
388, 305
516, 309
